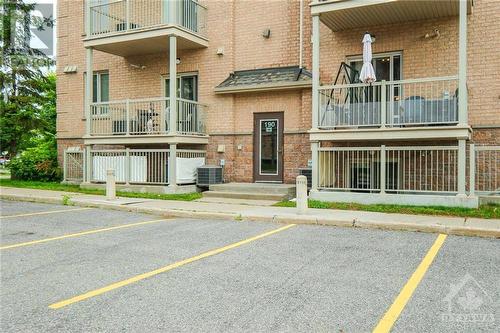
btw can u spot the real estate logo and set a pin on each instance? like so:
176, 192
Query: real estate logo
468, 302
28, 34
42, 34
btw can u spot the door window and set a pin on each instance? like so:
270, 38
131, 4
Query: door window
269, 146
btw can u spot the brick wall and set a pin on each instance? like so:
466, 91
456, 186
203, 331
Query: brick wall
237, 27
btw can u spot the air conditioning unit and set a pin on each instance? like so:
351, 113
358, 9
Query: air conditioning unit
308, 173
208, 175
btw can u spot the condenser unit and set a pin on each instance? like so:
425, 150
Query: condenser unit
208, 175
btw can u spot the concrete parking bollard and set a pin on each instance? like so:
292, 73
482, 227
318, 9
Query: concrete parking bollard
110, 184
301, 194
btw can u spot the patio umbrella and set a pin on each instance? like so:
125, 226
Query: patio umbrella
367, 74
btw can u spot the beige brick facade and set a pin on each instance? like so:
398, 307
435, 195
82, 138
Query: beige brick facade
236, 26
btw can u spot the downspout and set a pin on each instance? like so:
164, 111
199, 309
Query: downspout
301, 31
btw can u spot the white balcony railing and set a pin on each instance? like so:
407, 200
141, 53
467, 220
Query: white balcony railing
485, 169
145, 117
144, 166
427, 169
428, 101
112, 17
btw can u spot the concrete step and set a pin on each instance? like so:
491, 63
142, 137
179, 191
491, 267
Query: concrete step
245, 195
287, 190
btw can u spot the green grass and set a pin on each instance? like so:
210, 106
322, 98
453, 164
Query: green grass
55, 186
489, 211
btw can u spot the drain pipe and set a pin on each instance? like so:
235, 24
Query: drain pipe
301, 31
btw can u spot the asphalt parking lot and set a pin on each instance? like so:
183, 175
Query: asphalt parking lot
66, 268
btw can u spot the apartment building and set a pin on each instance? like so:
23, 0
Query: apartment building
266, 88
240, 70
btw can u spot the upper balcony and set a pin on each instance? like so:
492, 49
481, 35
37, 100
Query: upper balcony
341, 15
425, 108
420, 92
135, 27
146, 121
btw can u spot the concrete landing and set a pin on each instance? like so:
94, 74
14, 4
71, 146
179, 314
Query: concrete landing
248, 202
251, 191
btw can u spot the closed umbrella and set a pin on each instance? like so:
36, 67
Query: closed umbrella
367, 74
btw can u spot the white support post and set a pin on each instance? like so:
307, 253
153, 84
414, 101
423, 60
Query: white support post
172, 166
314, 166
127, 117
383, 170
127, 14
173, 84
84, 166
65, 167
110, 184
383, 104
461, 173
88, 19
472, 170
127, 166
301, 189
315, 71
89, 165
88, 89
462, 64
172, 9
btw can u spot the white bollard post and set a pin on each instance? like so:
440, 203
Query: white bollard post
110, 184
301, 194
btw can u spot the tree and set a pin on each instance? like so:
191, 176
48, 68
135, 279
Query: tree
27, 109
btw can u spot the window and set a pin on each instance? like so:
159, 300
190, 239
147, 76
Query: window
187, 87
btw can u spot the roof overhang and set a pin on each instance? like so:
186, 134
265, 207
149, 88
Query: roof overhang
264, 87
341, 15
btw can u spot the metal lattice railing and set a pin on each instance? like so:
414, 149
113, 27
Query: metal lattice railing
412, 169
485, 169
144, 166
392, 103
73, 166
113, 17
148, 116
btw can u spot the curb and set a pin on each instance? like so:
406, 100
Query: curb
284, 219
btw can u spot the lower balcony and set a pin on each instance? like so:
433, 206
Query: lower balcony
410, 175
401, 109
146, 121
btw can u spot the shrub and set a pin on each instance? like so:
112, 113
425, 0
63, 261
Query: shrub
36, 163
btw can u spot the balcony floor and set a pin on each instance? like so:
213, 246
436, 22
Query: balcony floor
457, 132
146, 139
146, 41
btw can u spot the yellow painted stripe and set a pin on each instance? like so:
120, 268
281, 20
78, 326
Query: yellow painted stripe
404, 296
177, 264
89, 232
44, 213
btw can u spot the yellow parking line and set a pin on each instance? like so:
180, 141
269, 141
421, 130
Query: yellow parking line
89, 232
143, 276
404, 296
45, 212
